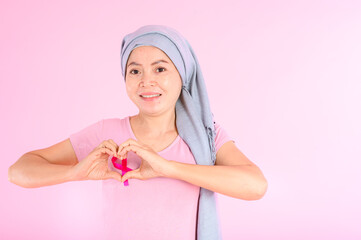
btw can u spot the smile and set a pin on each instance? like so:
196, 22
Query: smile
151, 96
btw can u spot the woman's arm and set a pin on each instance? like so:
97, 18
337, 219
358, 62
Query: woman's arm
59, 164
233, 175
44, 167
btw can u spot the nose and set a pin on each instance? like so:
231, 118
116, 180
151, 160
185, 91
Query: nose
147, 79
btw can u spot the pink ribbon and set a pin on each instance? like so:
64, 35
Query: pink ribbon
122, 167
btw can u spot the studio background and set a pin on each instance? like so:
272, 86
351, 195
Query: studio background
283, 77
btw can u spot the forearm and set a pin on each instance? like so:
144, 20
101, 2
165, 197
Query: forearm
33, 171
244, 182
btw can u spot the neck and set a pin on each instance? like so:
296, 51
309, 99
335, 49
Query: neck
155, 125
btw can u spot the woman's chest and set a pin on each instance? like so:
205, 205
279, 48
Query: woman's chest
158, 143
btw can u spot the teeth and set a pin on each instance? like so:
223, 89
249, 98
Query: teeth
150, 96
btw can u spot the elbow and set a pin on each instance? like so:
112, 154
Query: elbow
260, 190
260, 186
256, 191
15, 176
11, 173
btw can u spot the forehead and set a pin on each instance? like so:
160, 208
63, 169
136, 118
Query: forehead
144, 53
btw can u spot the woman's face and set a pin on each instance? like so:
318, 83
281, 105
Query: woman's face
152, 81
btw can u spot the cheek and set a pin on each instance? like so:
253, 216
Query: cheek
127, 89
178, 84
174, 86
173, 81
130, 89
178, 87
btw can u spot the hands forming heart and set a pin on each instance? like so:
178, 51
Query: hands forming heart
95, 165
152, 164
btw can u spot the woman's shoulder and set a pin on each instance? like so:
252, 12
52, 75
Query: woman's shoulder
221, 135
218, 127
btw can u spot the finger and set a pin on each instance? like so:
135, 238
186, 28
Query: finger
103, 150
134, 148
128, 142
131, 174
114, 175
114, 144
111, 145
101, 145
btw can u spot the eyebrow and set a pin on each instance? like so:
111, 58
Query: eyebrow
156, 62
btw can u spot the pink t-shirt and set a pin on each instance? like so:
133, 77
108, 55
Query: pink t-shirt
158, 208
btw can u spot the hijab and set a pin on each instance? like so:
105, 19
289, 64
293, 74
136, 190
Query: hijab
194, 119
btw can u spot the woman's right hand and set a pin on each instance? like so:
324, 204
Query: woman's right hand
95, 165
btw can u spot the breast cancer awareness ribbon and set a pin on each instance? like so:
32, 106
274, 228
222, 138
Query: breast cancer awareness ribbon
123, 167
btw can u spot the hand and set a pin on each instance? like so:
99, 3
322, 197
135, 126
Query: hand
152, 164
95, 165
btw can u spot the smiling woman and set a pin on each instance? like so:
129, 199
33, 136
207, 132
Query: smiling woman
152, 81
177, 157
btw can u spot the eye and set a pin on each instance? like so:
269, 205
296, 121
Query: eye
134, 71
160, 69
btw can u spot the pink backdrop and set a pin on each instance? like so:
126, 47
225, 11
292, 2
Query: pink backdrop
284, 80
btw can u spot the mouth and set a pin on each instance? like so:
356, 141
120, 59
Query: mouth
150, 96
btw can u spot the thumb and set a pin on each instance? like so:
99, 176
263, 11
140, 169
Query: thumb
113, 174
131, 174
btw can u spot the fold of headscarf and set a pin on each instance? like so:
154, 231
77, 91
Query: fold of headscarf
194, 118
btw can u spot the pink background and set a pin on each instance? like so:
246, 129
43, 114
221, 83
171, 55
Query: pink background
284, 79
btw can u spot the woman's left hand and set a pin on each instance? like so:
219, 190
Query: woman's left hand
152, 164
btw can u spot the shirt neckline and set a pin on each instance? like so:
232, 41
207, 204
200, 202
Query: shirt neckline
162, 151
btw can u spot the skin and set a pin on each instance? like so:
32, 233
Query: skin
149, 70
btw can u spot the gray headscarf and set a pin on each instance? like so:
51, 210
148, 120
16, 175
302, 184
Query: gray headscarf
194, 118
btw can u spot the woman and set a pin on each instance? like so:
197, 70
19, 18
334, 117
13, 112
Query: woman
172, 144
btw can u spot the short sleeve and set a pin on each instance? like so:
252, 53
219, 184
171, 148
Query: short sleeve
221, 136
85, 140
